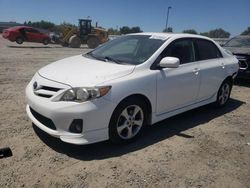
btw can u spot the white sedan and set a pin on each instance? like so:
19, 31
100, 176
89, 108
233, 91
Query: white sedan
136, 80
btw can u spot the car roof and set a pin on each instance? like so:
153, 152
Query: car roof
171, 35
19, 27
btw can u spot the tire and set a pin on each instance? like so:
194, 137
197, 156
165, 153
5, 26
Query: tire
127, 121
19, 40
93, 42
65, 44
45, 41
223, 93
74, 41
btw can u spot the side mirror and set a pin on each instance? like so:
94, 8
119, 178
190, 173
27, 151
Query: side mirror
169, 62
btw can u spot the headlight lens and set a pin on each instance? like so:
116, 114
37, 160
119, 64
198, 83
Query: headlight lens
81, 94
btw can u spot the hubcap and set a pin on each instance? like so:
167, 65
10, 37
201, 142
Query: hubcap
130, 122
224, 94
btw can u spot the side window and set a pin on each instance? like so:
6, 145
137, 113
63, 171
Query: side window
182, 49
32, 31
207, 50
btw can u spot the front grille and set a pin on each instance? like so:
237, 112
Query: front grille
42, 119
46, 91
50, 88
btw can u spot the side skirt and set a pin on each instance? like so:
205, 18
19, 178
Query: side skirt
159, 117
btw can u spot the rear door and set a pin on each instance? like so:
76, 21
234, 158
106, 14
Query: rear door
212, 68
178, 87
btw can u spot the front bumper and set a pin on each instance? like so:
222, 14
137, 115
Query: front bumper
95, 114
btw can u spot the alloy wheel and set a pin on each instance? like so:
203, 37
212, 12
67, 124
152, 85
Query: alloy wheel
130, 122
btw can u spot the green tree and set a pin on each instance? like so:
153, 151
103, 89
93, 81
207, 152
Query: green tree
217, 33
124, 30
168, 30
136, 29
112, 31
205, 34
43, 24
190, 31
246, 32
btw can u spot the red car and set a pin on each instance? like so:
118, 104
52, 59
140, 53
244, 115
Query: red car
25, 33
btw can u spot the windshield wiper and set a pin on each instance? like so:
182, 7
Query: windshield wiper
93, 56
106, 58
114, 60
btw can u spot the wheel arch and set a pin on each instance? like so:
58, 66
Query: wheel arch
142, 97
230, 79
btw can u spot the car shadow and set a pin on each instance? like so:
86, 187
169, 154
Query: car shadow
82, 47
242, 82
152, 135
34, 47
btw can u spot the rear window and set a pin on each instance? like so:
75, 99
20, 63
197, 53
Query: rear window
207, 50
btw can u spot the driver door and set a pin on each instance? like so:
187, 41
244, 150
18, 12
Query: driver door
178, 87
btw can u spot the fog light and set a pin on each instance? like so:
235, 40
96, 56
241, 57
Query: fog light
76, 126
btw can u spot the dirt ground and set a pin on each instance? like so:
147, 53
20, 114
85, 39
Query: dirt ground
205, 147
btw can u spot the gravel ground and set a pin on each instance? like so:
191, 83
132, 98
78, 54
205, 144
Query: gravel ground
205, 147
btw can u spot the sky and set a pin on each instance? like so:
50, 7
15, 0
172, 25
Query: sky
150, 15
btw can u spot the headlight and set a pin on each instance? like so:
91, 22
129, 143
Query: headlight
81, 94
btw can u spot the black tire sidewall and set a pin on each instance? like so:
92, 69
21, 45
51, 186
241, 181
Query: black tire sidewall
19, 38
113, 134
92, 42
46, 41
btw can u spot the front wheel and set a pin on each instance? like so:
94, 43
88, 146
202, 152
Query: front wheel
74, 42
223, 94
19, 40
127, 121
93, 42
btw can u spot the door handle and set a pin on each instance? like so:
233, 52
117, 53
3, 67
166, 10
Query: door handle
196, 71
223, 65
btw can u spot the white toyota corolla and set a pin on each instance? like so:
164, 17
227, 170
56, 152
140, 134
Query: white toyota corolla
120, 87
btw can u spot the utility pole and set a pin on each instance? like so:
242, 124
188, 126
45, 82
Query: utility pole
167, 18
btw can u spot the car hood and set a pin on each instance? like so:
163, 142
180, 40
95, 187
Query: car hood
79, 71
236, 50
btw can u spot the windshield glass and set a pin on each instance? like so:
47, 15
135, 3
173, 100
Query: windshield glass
238, 42
130, 49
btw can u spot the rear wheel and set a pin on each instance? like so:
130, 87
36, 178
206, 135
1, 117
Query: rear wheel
19, 40
74, 41
65, 44
127, 121
93, 42
223, 94
45, 41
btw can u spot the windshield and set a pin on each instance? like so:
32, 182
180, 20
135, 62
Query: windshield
238, 42
130, 49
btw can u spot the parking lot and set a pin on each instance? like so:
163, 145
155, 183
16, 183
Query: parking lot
205, 147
